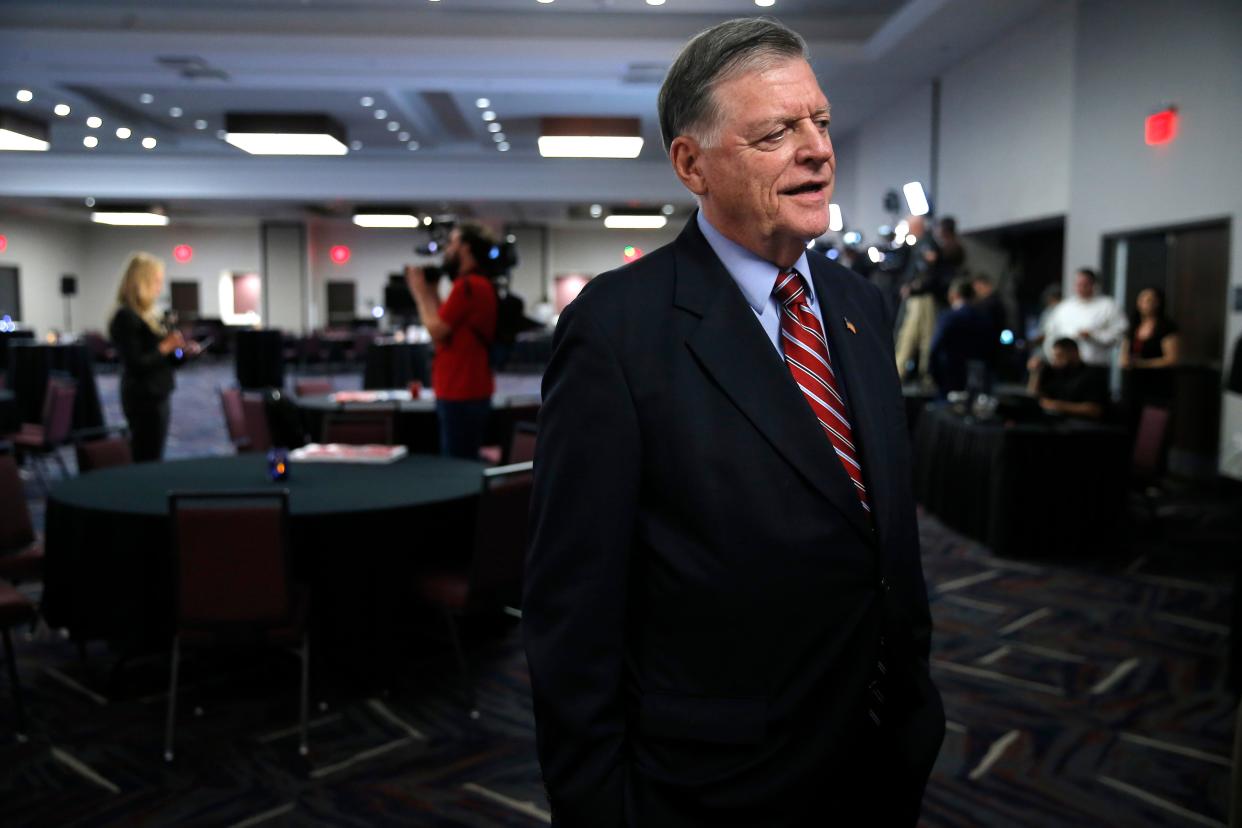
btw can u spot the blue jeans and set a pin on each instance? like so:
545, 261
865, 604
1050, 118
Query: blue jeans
462, 426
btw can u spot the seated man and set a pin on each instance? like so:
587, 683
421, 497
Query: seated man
1070, 386
963, 335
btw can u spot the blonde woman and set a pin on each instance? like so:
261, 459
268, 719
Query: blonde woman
148, 353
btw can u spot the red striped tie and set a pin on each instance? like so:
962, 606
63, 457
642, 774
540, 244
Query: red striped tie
806, 354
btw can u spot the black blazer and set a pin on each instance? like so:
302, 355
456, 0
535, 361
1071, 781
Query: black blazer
145, 372
704, 596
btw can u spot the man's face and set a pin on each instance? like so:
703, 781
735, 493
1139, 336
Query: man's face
1084, 286
1064, 357
768, 178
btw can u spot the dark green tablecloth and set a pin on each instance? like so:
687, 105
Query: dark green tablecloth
1024, 490
359, 533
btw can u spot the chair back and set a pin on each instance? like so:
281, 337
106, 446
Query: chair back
500, 535
1149, 444
234, 414
58, 410
522, 443
360, 428
103, 453
258, 432
230, 555
16, 528
312, 387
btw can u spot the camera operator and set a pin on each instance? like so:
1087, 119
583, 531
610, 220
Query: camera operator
463, 328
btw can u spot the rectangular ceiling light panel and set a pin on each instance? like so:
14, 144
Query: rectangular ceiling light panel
21, 134
590, 138
280, 134
386, 220
635, 222
125, 219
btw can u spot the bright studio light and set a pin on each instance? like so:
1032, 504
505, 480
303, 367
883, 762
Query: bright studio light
916, 198
874, 254
835, 223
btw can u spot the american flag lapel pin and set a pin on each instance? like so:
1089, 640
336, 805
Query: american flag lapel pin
850, 325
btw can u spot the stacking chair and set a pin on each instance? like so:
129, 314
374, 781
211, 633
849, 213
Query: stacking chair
359, 428
258, 432
235, 418
231, 554
312, 386
102, 449
38, 440
21, 552
15, 609
493, 578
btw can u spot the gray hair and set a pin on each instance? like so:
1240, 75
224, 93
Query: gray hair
687, 97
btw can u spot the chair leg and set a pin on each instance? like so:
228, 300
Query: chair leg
172, 700
462, 664
19, 709
305, 700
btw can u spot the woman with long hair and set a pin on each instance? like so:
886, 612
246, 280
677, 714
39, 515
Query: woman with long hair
1149, 355
148, 352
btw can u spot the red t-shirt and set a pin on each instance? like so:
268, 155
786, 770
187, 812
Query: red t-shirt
461, 370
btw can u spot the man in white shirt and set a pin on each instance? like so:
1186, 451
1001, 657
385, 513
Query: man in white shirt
1093, 320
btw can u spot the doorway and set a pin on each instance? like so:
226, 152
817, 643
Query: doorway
1190, 264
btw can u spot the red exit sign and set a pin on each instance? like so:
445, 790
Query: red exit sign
1160, 127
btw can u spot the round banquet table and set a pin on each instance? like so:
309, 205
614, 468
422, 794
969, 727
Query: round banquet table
358, 535
416, 425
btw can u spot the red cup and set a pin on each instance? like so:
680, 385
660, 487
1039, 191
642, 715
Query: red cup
416, 388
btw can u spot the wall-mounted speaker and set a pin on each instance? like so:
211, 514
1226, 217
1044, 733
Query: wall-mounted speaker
68, 285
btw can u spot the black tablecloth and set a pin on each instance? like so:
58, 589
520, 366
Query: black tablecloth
7, 337
260, 359
1025, 490
9, 421
359, 533
416, 425
396, 364
29, 365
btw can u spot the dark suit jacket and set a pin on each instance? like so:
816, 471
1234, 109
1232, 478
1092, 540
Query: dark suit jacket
963, 334
145, 372
704, 594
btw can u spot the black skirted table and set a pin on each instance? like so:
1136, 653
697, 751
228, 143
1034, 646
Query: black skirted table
31, 362
359, 534
416, 425
397, 364
1024, 490
9, 421
260, 358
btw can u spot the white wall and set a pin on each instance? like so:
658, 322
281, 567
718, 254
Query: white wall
845, 190
593, 251
1131, 58
1005, 125
43, 251
216, 250
892, 148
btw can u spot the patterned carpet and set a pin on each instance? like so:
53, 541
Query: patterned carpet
1077, 694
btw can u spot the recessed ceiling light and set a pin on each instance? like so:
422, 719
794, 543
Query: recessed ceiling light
123, 133
355, 145
90, 142
366, 100
655, 2
61, 109
498, 137
641, 222
146, 98
403, 136
200, 124
385, 220
545, 2
88, 201
482, 103
765, 3
503, 146
94, 122
381, 114
222, 135
174, 111
149, 143
597, 210
413, 145
667, 209
494, 126
393, 126
25, 95
489, 115
427, 221
132, 218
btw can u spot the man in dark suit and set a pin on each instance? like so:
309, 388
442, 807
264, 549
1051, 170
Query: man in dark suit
725, 615
964, 335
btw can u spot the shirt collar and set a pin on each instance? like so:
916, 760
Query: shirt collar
755, 275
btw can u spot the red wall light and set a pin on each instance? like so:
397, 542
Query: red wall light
339, 254
1160, 127
631, 253
4, 244
183, 253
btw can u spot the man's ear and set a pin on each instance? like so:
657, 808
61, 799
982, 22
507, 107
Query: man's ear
687, 158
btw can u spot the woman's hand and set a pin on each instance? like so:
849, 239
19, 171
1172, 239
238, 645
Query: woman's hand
171, 343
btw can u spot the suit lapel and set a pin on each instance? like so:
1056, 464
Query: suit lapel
858, 363
732, 348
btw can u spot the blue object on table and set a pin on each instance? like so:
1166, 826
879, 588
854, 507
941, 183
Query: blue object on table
278, 464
